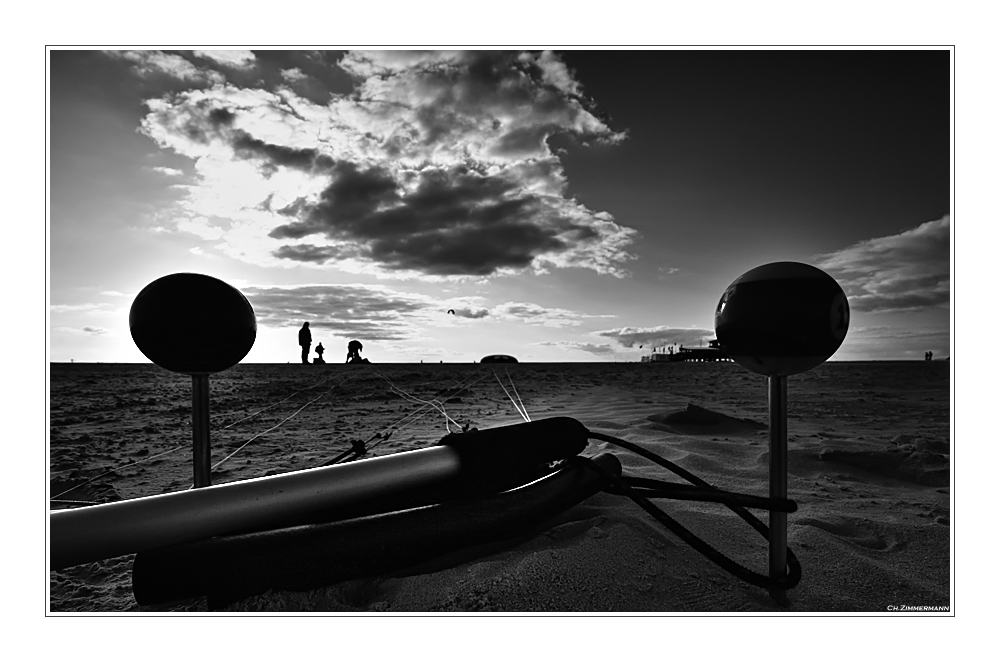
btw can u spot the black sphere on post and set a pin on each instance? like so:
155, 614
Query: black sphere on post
196, 325
192, 323
780, 319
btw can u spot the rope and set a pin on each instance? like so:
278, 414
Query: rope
114, 469
275, 427
639, 490
523, 409
620, 485
271, 406
414, 415
434, 402
523, 414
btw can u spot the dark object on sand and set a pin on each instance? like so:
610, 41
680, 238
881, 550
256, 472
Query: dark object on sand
502, 490
498, 358
192, 323
777, 320
99, 532
305, 557
196, 325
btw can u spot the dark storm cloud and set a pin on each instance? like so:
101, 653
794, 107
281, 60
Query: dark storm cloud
455, 221
274, 156
313, 254
312, 75
370, 312
657, 336
904, 272
205, 122
434, 163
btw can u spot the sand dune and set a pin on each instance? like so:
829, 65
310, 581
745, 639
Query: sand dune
869, 466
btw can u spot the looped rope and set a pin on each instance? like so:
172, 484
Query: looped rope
620, 485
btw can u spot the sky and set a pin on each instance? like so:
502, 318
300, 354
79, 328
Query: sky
567, 205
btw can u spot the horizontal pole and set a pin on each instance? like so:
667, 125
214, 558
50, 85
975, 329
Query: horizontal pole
93, 533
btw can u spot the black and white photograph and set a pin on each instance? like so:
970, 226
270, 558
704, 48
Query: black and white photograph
536, 331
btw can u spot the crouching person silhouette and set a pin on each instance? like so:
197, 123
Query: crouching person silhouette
354, 352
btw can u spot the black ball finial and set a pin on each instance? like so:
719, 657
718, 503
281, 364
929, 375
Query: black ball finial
782, 318
192, 323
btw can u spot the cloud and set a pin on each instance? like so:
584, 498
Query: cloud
657, 335
881, 333
368, 311
570, 345
294, 74
149, 63
530, 313
470, 313
201, 227
903, 272
895, 342
377, 312
89, 330
435, 165
237, 59
170, 172
78, 308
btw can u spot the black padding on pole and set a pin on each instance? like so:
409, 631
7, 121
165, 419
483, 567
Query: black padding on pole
487, 455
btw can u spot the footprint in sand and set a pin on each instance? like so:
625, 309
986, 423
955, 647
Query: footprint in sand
921, 467
861, 532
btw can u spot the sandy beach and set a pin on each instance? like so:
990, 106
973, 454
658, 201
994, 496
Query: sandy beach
869, 467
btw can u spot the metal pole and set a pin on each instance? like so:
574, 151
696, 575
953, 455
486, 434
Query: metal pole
83, 535
199, 424
777, 396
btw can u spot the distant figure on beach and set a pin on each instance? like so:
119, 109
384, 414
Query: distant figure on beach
928, 356
354, 352
319, 354
305, 339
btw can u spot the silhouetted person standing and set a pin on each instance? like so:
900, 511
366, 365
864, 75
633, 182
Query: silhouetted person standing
305, 339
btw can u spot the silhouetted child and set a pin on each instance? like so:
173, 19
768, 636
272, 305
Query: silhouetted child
319, 352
